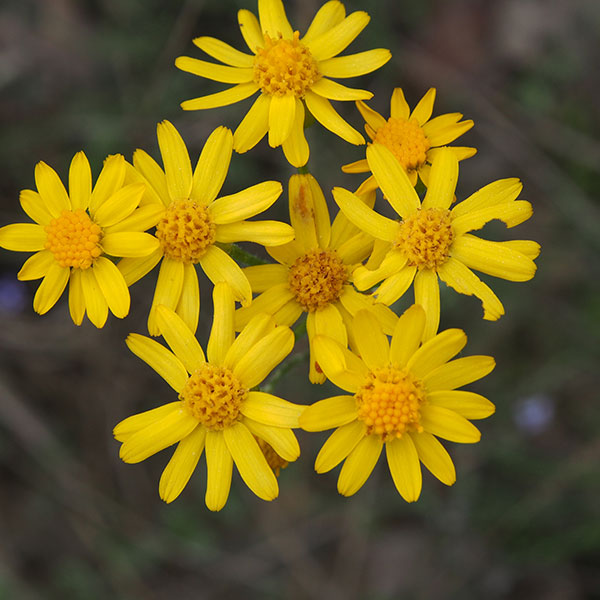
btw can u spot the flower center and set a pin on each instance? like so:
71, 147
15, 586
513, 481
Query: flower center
185, 231
273, 459
213, 395
406, 140
425, 237
389, 402
317, 278
285, 67
74, 239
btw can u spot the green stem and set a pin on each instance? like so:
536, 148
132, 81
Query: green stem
240, 255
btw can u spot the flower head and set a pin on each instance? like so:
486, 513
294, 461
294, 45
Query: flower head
193, 221
217, 409
431, 240
403, 395
290, 72
314, 273
414, 138
74, 232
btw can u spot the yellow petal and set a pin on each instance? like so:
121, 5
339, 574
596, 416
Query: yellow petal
288, 314
493, 258
363, 217
371, 116
271, 410
372, 343
435, 457
23, 237
259, 326
359, 465
51, 189
282, 113
286, 254
407, 335
213, 71
527, 247
51, 289
178, 169
329, 413
328, 16
441, 137
295, 147
129, 243
250, 29
188, 307
126, 428
323, 112
459, 372
141, 219
113, 286
442, 180
336, 91
254, 125
338, 38
222, 333
95, 302
498, 192
352, 301
264, 277
120, 205
167, 291
393, 263
35, 208
281, 439
467, 404
183, 463
273, 20
226, 97
264, 356
395, 286
162, 360
393, 180
460, 278
511, 213
424, 108
403, 462
267, 233
339, 444
427, 294
224, 52
448, 425
436, 351
181, 340
109, 181
153, 174
399, 108
269, 302
220, 267
80, 181
219, 467
354, 65
251, 462
157, 436
76, 298
358, 166
245, 204
36, 266
212, 166
356, 249
342, 367
133, 269
327, 321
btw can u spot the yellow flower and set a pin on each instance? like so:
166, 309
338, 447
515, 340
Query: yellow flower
432, 241
414, 138
289, 71
74, 232
403, 395
217, 409
194, 221
313, 274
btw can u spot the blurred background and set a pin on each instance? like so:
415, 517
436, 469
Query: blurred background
522, 521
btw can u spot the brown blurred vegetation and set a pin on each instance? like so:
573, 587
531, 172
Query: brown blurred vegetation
523, 520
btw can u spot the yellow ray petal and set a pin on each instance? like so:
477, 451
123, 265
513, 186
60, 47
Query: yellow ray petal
120, 205
36, 266
224, 52
213, 71
441, 122
231, 95
359, 465
307, 204
95, 302
424, 108
51, 189
219, 468
395, 286
266, 233
153, 174
80, 181
273, 19
51, 289
327, 321
371, 116
35, 208
222, 333
269, 302
427, 294
254, 125
181, 340
141, 219
167, 291
282, 113
342, 367
435, 457
328, 16
212, 166
295, 147
109, 181
113, 286
329, 413
467, 404
407, 335
338, 38
281, 439
356, 249
393, 180
23, 237
245, 204
323, 112
336, 91
126, 428
403, 462
286, 254
220, 267
129, 243
251, 462
442, 181
339, 444
259, 326
271, 410
354, 65
393, 263
188, 307
178, 169
529, 248
250, 28
459, 372
497, 192
183, 463
264, 277
460, 278
399, 108
352, 301
163, 361
358, 166
76, 299
511, 213
441, 137
436, 351
372, 343
448, 425
133, 269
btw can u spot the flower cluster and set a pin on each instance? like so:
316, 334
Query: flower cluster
399, 377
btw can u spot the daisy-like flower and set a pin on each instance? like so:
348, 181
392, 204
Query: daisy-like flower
289, 71
74, 232
431, 241
313, 274
217, 409
414, 138
402, 395
194, 221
